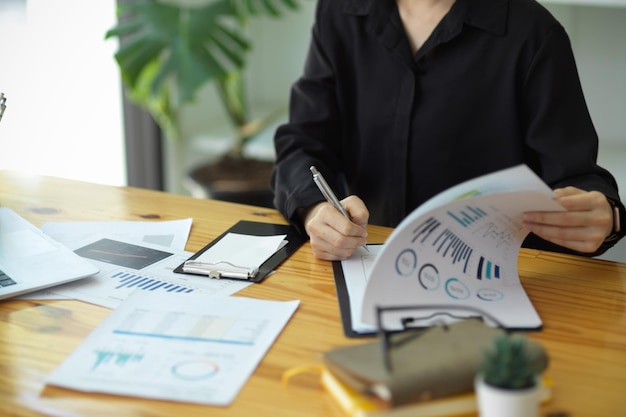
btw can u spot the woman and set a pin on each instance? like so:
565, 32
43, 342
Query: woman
401, 99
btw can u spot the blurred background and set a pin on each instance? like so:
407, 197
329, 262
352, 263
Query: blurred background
66, 115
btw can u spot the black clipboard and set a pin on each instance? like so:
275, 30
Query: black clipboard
343, 298
294, 241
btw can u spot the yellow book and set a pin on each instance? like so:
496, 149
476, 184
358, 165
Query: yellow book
356, 404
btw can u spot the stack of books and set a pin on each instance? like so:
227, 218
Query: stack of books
425, 373
358, 404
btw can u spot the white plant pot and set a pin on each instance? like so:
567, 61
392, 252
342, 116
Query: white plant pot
498, 402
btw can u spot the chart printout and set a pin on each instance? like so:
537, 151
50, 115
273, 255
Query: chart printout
184, 347
128, 267
457, 255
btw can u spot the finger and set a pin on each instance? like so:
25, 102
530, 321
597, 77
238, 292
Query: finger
356, 209
324, 250
582, 227
333, 227
584, 238
558, 233
577, 200
332, 235
582, 209
556, 218
329, 244
581, 239
342, 225
566, 191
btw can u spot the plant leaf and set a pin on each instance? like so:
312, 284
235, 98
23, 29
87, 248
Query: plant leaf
168, 51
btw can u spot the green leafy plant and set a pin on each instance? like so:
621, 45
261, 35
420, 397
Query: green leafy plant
170, 49
509, 364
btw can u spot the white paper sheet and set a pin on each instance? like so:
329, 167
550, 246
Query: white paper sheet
356, 271
126, 267
459, 250
116, 281
168, 233
179, 347
242, 251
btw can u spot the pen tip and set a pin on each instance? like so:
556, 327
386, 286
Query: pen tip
313, 169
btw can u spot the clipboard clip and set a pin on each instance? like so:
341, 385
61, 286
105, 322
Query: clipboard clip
222, 269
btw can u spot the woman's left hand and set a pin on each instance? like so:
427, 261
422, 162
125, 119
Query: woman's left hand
583, 226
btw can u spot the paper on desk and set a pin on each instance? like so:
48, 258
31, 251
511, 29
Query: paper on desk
241, 250
127, 267
169, 233
186, 347
356, 271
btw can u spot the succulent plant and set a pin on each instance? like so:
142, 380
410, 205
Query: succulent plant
510, 364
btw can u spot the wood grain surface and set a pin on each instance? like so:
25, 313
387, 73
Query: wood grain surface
581, 301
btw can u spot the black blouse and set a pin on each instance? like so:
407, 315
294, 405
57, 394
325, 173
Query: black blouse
495, 85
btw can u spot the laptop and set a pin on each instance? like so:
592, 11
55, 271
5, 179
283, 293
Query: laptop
31, 260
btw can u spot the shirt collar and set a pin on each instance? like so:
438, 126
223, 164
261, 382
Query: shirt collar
487, 15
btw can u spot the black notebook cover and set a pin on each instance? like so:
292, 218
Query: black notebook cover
245, 227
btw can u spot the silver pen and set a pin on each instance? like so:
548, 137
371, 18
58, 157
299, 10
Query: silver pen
329, 195
3, 105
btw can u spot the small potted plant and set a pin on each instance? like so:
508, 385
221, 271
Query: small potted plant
508, 383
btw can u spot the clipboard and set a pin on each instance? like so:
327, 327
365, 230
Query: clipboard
252, 273
347, 281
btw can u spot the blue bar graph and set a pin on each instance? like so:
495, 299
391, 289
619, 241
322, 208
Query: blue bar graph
136, 281
487, 269
449, 245
465, 217
107, 358
425, 229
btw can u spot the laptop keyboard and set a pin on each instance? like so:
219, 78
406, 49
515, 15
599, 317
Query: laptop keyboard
5, 280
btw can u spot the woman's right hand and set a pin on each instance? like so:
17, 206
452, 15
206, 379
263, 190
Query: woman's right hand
333, 237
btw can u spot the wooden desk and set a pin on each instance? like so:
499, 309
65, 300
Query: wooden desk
582, 303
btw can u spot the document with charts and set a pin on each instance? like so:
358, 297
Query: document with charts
185, 347
456, 256
129, 266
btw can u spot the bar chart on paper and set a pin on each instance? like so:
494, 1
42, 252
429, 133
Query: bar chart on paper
118, 363
113, 283
109, 358
460, 248
453, 249
130, 348
127, 267
181, 347
190, 327
467, 215
129, 280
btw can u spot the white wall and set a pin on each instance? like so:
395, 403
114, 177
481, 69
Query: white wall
63, 115
598, 35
